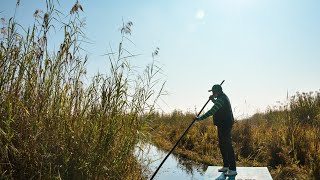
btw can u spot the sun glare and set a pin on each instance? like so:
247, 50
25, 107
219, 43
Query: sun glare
200, 14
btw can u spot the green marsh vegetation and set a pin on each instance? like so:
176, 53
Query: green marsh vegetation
285, 139
52, 125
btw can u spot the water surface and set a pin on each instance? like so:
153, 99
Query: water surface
174, 168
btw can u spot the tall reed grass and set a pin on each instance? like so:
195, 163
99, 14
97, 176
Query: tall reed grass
285, 139
52, 124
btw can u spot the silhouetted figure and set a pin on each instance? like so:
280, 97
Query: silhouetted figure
223, 119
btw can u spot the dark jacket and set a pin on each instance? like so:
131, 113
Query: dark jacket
221, 112
224, 116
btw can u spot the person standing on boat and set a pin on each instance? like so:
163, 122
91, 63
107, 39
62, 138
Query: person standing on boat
223, 119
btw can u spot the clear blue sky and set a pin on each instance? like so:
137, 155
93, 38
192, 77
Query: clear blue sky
262, 48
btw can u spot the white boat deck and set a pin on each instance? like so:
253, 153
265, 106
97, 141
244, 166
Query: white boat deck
244, 173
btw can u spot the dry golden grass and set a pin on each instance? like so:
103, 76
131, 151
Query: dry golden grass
52, 126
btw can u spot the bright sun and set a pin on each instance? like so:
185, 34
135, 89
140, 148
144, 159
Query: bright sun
200, 14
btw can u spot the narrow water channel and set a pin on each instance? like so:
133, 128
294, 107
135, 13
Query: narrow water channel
174, 168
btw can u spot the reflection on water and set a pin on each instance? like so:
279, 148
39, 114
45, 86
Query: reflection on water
189, 166
175, 167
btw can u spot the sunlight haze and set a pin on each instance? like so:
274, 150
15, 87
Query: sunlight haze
263, 49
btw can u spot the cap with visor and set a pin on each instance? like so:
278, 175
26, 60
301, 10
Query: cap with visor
216, 88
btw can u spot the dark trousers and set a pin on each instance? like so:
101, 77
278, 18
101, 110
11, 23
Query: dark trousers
226, 149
